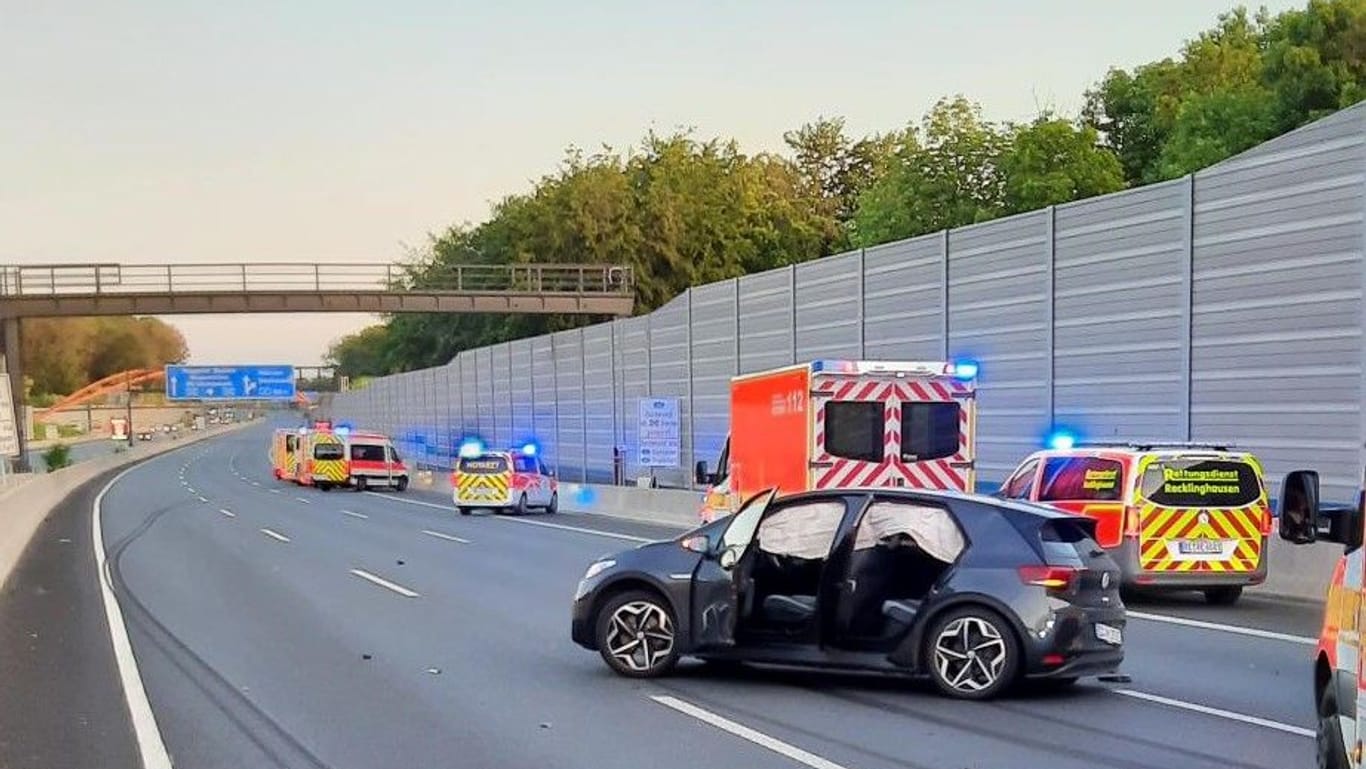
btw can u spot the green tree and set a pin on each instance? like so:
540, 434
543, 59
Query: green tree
1214, 126
361, 353
1051, 161
1315, 60
835, 169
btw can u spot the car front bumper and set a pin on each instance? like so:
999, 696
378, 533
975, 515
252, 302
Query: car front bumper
581, 622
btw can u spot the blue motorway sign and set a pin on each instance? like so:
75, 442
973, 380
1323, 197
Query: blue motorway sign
229, 383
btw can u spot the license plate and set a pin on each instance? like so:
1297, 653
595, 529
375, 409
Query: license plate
1200, 547
1109, 634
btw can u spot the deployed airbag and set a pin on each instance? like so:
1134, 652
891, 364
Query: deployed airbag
804, 531
932, 528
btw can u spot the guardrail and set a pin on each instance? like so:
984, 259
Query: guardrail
39, 280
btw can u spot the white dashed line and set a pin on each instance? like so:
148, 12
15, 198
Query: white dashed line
274, 491
384, 583
301, 500
203, 499
774, 744
254, 483
529, 522
274, 535
191, 490
227, 512
1235, 629
439, 535
1217, 712
354, 514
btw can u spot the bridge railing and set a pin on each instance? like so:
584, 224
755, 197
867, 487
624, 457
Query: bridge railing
95, 279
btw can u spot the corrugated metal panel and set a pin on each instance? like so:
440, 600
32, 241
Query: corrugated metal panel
998, 305
499, 363
765, 321
1277, 326
469, 394
1119, 315
828, 308
599, 402
715, 354
903, 309
544, 406
483, 404
569, 396
669, 376
633, 349
522, 424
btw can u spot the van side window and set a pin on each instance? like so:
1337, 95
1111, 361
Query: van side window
524, 464
929, 430
1019, 485
1078, 479
291, 442
853, 430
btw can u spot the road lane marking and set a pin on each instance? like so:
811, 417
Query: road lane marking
227, 512
529, 522
384, 583
1236, 629
191, 490
254, 483
439, 535
774, 744
150, 745
302, 500
1217, 712
274, 491
355, 514
204, 500
274, 534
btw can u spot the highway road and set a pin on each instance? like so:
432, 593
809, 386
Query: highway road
279, 626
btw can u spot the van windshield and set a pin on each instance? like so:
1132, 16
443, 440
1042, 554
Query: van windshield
1201, 483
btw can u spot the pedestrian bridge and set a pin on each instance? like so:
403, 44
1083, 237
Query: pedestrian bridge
173, 289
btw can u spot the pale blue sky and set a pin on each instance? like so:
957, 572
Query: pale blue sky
342, 130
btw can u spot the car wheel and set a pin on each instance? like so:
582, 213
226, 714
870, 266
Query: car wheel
1329, 748
1224, 596
554, 506
402, 483
464, 511
520, 508
324, 486
635, 635
361, 483
971, 653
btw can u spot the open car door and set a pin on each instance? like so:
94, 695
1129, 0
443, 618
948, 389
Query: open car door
716, 582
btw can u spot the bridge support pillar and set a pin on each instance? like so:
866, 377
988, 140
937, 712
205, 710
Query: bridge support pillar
9, 342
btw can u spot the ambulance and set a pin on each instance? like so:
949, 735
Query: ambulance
372, 460
842, 423
284, 454
1179, 516
322, 459
1339, 678
514, 481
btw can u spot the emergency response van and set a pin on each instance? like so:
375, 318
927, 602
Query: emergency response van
841, 423
322, 460
1339, 677
1179, 516
372, 460
502, 480
284, 454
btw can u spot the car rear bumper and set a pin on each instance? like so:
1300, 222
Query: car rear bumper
1069, 645
1126, 555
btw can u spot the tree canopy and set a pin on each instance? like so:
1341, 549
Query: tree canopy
684, 210
61, 355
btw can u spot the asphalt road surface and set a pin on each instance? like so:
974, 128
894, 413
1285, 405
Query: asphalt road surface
280, 626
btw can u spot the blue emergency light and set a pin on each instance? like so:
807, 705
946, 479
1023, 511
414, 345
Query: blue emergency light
1061, 440
471, 449
965, 369
529, 449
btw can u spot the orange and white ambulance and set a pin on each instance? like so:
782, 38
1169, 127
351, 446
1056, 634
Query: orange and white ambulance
284, 454
1339, 677
515, 481
372, 460
843, 423
1180, 516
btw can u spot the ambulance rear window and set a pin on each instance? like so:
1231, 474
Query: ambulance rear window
853, 430
1201, 483
328, 451
524, 464
929, 430
484, 465
1081, 479
367, 452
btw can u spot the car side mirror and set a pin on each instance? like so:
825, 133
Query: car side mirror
699, 543
729, 557
700, 473
1299, 507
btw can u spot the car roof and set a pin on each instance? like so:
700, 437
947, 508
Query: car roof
937, 495
1134, 452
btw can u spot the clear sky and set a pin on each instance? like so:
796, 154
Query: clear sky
257, 130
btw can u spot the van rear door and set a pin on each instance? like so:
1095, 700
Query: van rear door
1200, 513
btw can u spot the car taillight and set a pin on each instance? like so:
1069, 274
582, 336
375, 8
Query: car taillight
1264, 524
1051, 577
1131, 521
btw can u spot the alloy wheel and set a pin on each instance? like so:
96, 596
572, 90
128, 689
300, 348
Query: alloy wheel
970, 654
640, 635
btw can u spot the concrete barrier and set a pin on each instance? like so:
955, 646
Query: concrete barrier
24, 507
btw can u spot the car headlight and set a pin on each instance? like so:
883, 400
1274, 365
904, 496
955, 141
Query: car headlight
598, 568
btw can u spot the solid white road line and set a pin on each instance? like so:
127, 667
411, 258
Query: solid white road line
774, 744
355, 514
439, 535
528, 521
1217, 712
274, 535
384, 583
302, 500
227, 512
1236, 629
145, 730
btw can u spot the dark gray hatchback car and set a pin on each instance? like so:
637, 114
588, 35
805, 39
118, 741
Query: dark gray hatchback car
974, 592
